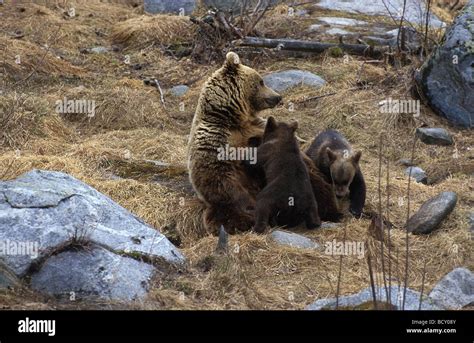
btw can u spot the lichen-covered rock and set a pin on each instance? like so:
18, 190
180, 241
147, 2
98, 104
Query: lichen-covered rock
447, 77
434, 136
414, 11
8, 279
93, 273
412, 300
166, 6
44, 210
455, 290
284, 80
432, 213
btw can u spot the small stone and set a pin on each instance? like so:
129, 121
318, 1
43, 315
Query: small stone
302, 13
293, 240
434, 136
329, 225
418, 174
314, 27
99, 50
431, 213
284, 80
179, 91
455, 290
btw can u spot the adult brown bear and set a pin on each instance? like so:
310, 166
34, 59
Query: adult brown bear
227, 117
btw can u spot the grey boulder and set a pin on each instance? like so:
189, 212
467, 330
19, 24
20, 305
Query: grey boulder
434, 136
166, 6
412, 300
284, 80
455, 290
93, 273
293, 240
431, 213
8, 279
50, 209
414, 11
447, 77
188, 6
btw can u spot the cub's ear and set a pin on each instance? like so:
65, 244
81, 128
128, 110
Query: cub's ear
331, 155
271, 124
356, 157
294, 125
232, 60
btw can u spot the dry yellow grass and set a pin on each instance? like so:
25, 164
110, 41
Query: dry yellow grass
131, 127
166, 29
22, 60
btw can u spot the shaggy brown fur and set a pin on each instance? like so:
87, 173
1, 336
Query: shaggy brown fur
334, 157
287, 198
226, 115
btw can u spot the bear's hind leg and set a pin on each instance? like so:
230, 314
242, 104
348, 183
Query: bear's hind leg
312, 218
263, 211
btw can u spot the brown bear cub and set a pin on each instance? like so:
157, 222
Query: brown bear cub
287, 198
334, 157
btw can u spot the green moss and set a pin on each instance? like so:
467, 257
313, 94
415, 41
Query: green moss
470, 27
335, 52
470, 46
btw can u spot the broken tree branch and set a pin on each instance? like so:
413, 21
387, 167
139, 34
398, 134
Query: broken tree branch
310, 46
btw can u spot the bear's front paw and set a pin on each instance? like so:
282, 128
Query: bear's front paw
259, 228
356, 213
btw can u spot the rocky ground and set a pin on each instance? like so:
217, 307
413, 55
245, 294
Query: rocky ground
122, 166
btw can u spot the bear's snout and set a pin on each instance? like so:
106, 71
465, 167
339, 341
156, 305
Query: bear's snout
274, 100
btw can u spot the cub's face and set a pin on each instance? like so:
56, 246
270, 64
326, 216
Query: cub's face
343, 169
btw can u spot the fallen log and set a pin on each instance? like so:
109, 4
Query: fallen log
310, 46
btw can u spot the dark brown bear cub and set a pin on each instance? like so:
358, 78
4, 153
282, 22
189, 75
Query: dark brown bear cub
287, 198
334, 157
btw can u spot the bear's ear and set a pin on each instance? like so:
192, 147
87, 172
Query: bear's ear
232, 60
271, 124
331, 155
356, 157
294, 125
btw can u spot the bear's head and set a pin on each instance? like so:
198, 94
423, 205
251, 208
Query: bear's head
343, 165
246, 86
280, 132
